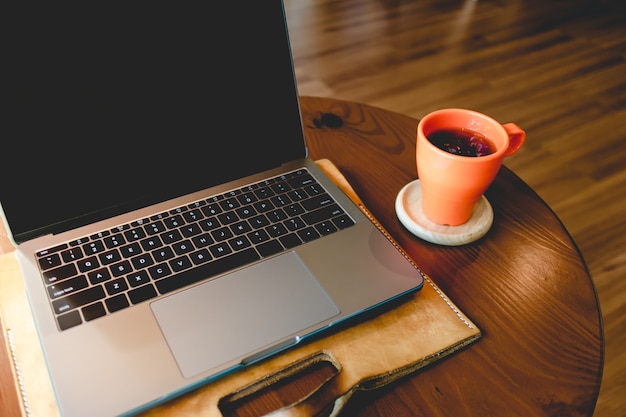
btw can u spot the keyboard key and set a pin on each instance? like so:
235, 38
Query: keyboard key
317, 202
258, 236
155, 228
326, 227
240, 227
159, 216
239, 243
116, 286
71, 254
159, 271
163, 254
138, 278
196, 204
276, 230
52, 250
109, 257
121, 268
100, 235
259, 221
276, 215
120, 228
114, 241
49, 261
79, 242
308, 234
211, 209
92, 248
117, 303
93, 311
183, 247
269, 248
202, 240
294, 223
301, 181
200, 257
209, 224
263, 206
142, 261
180, 264
290, 241
151, 243
220, 249
171, 236
294, 209
60, 273
178, 210
245, 212
141, 294
314, 189
228, 218
222, 233
322, 214
297, 195
134, 234
69, 320
88, 264
193, 215
174, 221
191, 230
280, 200
247, 198
229, 204
280, 187
130, 250
70, 302
140, 222
263, 193
98, 276
343, 221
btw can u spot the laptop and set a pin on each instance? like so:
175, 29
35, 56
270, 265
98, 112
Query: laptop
169, 224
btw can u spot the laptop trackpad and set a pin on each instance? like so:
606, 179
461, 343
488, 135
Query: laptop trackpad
234, 316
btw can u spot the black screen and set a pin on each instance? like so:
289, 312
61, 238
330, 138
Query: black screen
112, 108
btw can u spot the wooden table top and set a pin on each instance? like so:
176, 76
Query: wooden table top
525, 285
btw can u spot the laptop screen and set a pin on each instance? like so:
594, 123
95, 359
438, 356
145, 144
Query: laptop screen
114, 107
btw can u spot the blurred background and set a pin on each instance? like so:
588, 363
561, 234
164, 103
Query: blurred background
557, 68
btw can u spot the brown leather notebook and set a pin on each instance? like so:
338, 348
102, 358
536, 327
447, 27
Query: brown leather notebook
364, 356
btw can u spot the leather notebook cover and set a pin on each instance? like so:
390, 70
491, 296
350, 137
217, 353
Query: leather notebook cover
365, 356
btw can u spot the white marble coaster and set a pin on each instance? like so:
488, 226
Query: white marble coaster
409, 211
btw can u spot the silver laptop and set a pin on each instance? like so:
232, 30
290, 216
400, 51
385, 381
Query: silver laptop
170, 227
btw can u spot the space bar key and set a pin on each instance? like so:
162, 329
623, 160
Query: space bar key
208, 270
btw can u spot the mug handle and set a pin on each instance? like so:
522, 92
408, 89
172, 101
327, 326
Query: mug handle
516, 138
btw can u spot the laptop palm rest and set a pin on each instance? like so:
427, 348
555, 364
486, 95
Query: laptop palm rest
242, 314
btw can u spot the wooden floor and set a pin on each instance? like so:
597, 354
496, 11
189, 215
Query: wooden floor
557, 68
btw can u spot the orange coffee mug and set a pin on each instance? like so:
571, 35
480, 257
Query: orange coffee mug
459, 153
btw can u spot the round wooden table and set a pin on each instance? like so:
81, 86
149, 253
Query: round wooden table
524, 284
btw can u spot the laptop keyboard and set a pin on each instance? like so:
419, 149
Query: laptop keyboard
100, 274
